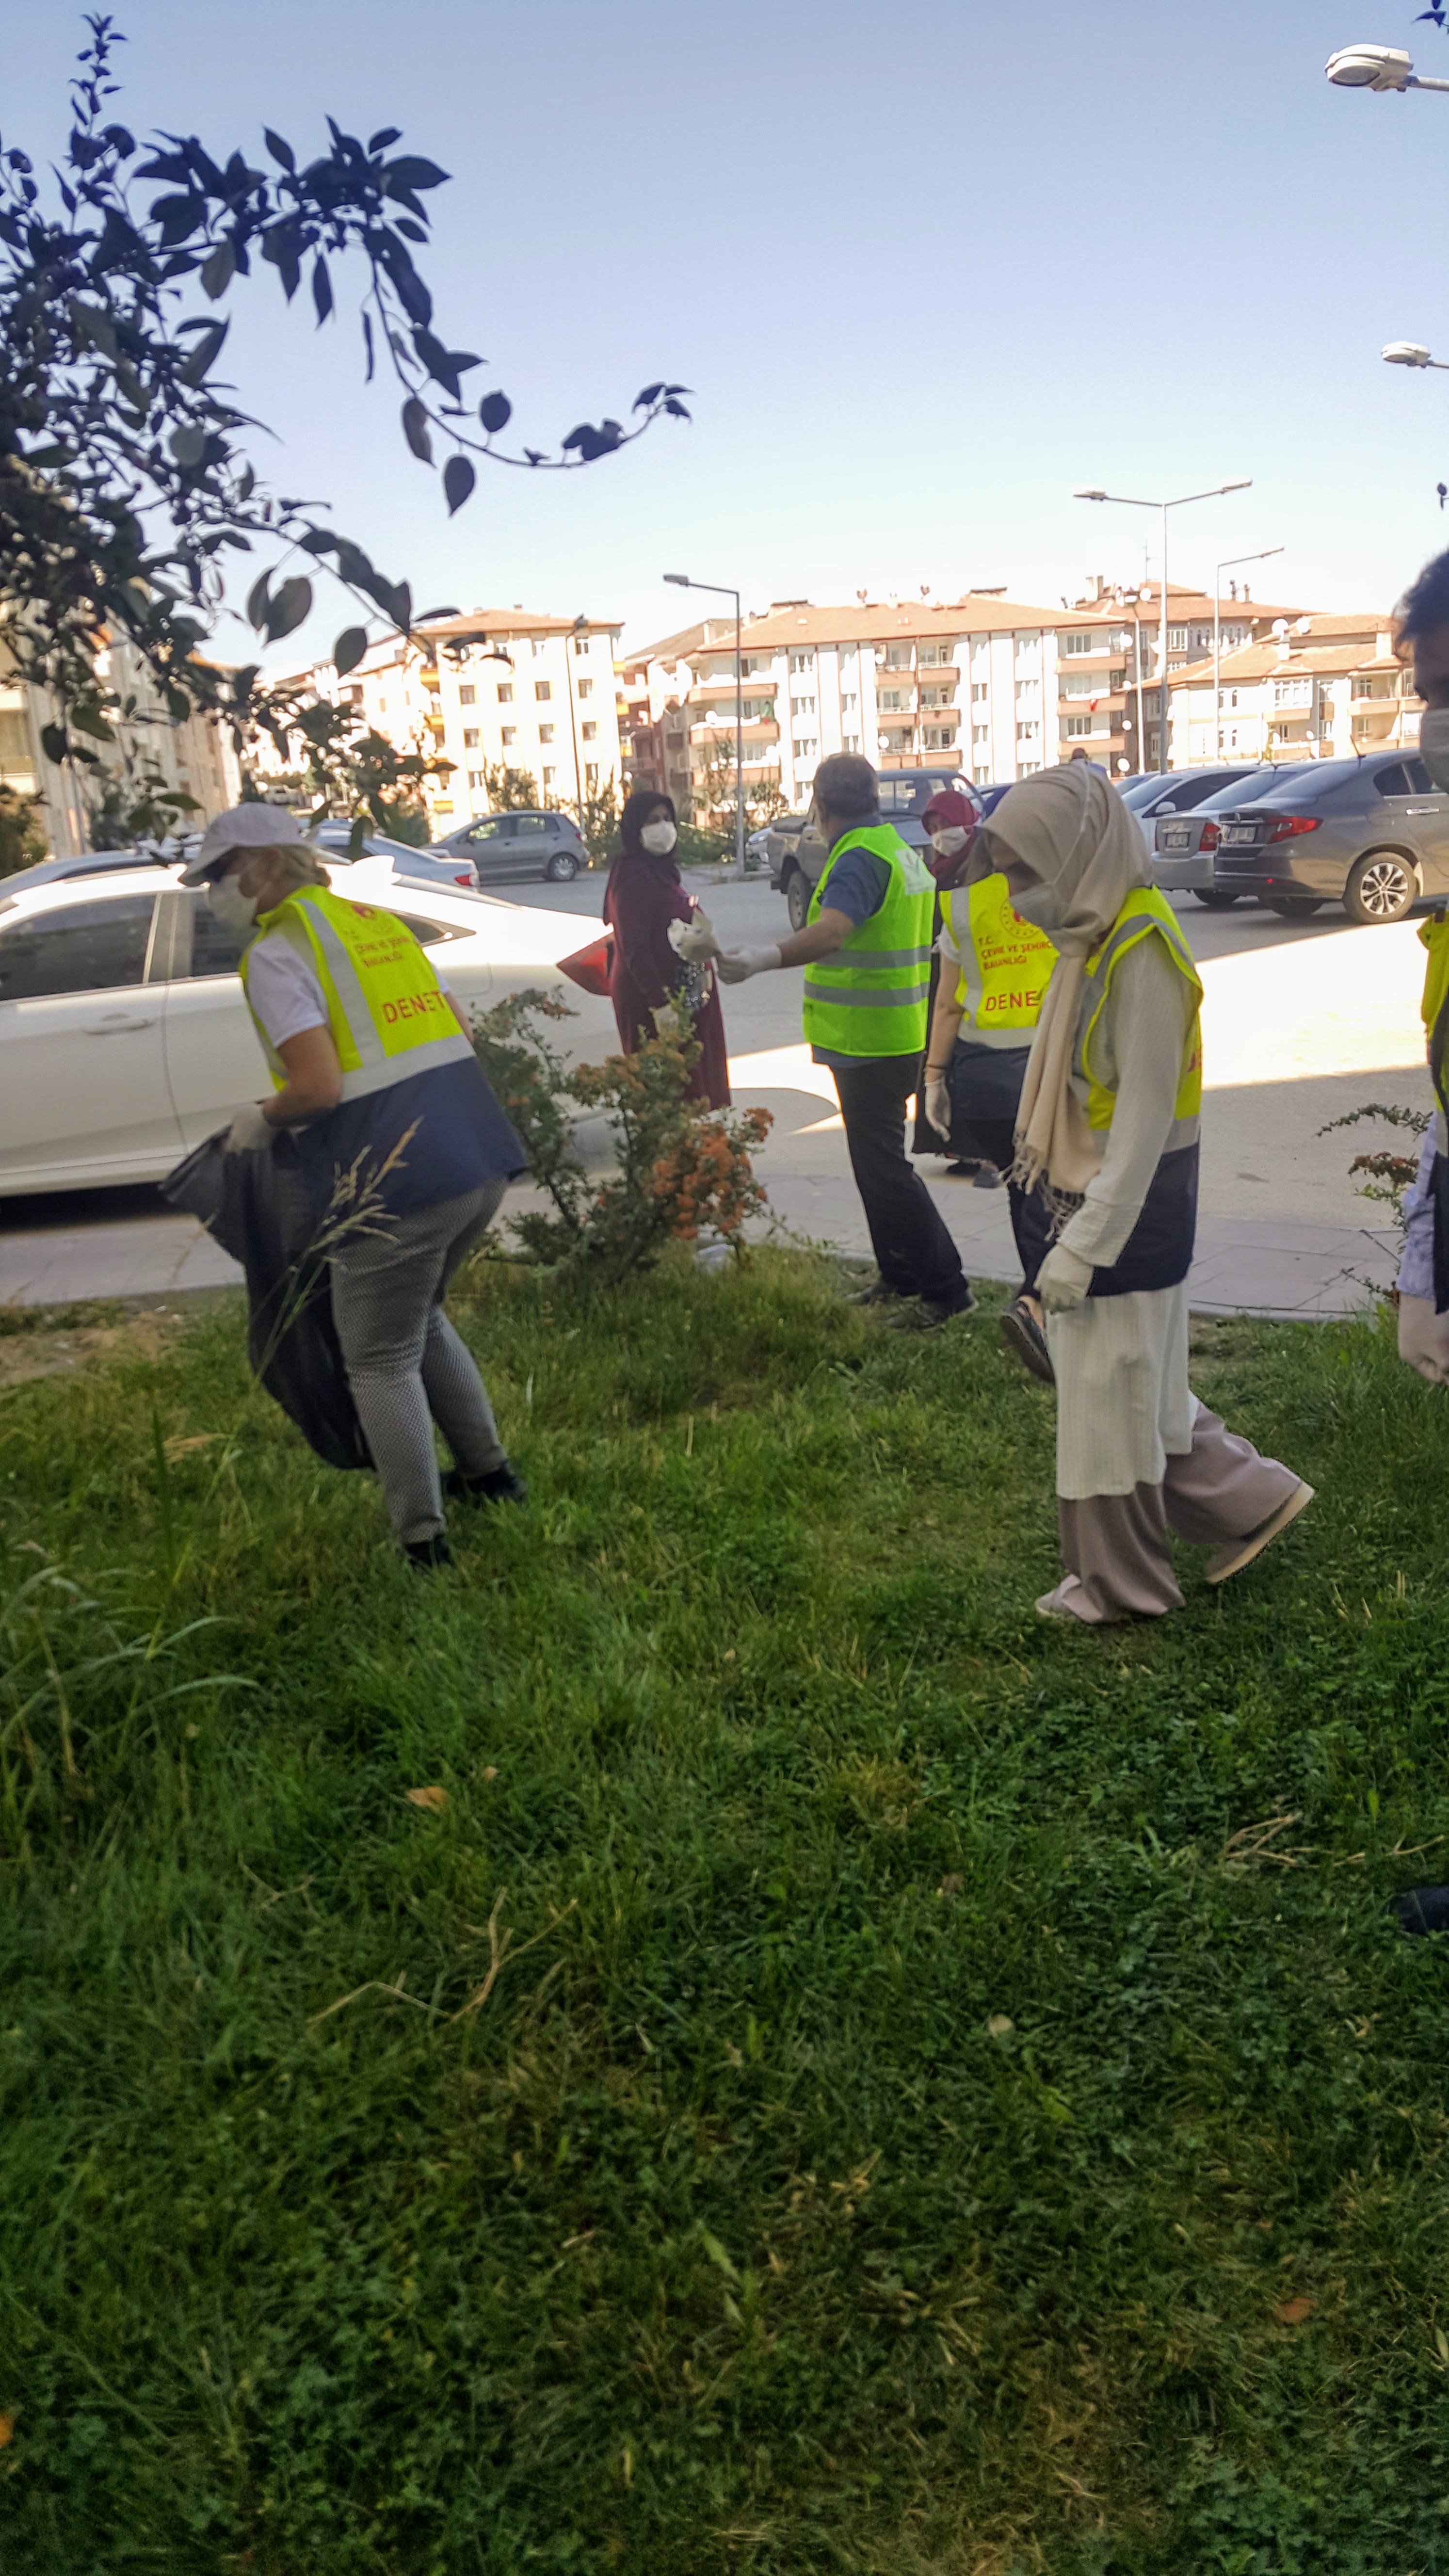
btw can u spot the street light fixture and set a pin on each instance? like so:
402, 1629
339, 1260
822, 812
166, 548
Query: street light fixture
1409, 353
1228, 564
683, 581
1380, 67
1128, 501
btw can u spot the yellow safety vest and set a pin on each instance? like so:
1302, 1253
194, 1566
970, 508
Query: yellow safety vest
1434, 935
1144, 913
387, 1014
1006, 963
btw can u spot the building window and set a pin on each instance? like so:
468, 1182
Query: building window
802, 661
591, 773
537, 645
1177, 639
1027, 692
1027, 732
851, 742
1077, 725
467, 697
847, 705
508, 737
590, 732
470, 740
475, 778
804, 750
505, 693
545, 733
549, 776
980, 737
802, 706
980, 777
940, 737
1079, 643
978, 693
543, 689
585, 688
581, 643
894, 700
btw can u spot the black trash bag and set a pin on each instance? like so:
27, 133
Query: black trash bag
254, 1206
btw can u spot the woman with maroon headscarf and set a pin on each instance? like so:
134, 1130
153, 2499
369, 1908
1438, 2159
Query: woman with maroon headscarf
643, 896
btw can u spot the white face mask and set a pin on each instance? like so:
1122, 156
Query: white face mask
1434, 744
659, 839
237, 912
946, 843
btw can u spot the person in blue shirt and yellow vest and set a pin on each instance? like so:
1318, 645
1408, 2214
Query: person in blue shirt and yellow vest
1107, 1129
994, 971
866, 951
401, 1147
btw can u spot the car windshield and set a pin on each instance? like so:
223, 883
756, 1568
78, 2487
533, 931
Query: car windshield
1246, 790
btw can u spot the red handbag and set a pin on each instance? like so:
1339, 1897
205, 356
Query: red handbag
590, 967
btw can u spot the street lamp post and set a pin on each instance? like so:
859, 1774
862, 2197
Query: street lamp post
1409, 353
1128, 501
1228, 564
581, 627
1381, 67
683, 581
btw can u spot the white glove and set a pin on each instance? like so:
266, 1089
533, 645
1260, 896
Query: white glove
737, 965
938, 1104
1063, 1280
249, 1131
694, 940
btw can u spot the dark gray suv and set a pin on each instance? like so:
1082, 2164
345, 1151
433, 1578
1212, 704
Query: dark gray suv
503, 846
1371, 834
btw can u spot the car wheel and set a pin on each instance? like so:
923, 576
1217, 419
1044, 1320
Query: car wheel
562, 868
1217, 898
797, 899
1381, 887
1294, 907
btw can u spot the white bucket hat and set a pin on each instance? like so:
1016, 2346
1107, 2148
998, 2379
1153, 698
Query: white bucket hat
245, 827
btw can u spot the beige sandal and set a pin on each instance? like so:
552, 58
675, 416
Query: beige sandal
1238, 1552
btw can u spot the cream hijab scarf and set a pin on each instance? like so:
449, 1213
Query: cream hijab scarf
1073, 831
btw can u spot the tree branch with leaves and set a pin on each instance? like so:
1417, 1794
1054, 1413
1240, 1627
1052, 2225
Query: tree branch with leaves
125, 488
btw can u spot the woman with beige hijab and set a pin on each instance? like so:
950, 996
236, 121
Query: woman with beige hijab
1108, 1129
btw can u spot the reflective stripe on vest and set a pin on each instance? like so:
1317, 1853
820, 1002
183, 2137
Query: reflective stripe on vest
1144, 912
387, 1014
1006, 964
870, 997
1434, 935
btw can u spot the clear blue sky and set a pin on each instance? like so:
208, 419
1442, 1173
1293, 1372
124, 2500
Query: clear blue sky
926, 268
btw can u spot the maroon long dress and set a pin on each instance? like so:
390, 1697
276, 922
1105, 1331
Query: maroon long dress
641, 899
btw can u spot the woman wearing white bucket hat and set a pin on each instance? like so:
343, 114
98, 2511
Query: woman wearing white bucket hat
376, 1080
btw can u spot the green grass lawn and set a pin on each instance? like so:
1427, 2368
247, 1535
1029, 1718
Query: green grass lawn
847, 2076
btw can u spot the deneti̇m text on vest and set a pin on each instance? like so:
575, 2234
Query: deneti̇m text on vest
866, 951
396, 1139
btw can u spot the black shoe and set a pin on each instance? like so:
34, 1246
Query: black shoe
1028, 1340
987, 1178
428, 1553
1422, 1909
927, 1314
878, 1294
501, 1485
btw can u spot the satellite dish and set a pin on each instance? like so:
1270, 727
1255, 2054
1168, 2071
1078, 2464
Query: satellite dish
1280, 625
1304, 626
882, 742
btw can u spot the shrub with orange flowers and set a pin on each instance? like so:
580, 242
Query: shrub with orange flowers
683, 1169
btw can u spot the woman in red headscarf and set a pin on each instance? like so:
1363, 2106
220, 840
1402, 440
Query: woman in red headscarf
644, 895
993, 973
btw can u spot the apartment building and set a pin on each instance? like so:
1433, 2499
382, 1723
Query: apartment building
1108, 698
1315, 688
497, 687
652, 687
195, 756
970, 683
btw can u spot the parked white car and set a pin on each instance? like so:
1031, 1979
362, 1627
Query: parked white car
124, 1036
